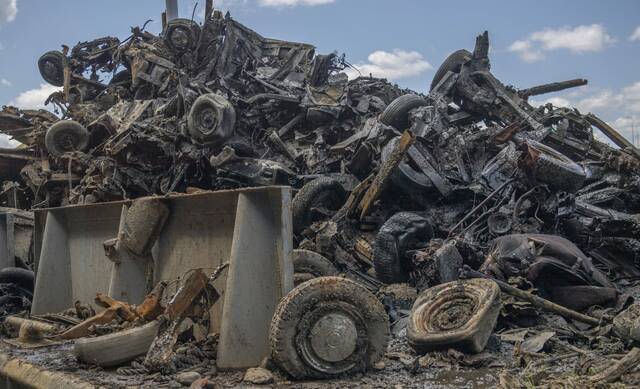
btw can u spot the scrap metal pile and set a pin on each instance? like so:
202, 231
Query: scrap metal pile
214, 106
500, 215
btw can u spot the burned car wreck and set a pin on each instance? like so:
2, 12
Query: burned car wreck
464, 227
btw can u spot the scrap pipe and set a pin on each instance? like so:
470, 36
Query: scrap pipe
539, 302
552, 87
612, 134
172, 9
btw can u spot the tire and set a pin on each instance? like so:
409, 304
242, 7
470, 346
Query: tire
211, 120
459, 314
397, 235
142, 225
65, 136
21, 277
328, 327
396, 114
452, 63
554, 168
116, 348
309, 264
182, 35
324, 192
51, 66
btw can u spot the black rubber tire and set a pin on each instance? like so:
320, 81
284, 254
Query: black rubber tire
312, 263
289, 326
211, 120
322, 192
396, 114
556, 169
116, 348
21, 277
398, 234
51, 66
65, 136
452, 63
190, 31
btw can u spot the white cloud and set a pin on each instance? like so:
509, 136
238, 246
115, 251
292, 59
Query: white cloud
292, 3
627, 126
636, 35
556, 101
392, 65
5, 82
8, 11
578, 40
630, 97
601, 100
620, 108
605, 101
34, 98
526, 51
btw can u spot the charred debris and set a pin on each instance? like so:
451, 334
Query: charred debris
454, 218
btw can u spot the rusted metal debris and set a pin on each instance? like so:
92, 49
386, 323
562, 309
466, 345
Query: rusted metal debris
395, 187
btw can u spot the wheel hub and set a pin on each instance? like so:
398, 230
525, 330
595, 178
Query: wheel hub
50, 69
208, 118
334, 337
67, 142
180, 38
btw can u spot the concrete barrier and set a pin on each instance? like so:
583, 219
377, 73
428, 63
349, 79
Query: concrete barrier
249, 228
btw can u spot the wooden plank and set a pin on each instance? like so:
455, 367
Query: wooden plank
381, 179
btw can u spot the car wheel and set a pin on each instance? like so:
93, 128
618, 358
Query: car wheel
452, 63
211, 120
66, 136
396, 114
182, 35
323, 192
51, 66
327, 327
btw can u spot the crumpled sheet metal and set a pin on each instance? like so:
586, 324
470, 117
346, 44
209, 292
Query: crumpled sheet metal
298, 117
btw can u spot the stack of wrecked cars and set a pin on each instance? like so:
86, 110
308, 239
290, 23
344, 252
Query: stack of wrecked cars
209, 200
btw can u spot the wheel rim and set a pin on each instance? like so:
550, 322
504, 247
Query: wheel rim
499, 224
50, 69
332, 338
67, 141
180, 38
207, 119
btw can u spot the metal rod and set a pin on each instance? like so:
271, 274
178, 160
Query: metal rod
539, 302
552, 87
172, 9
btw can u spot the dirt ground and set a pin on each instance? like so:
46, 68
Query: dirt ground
565, 360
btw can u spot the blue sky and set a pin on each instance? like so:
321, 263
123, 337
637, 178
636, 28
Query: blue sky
532, 42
